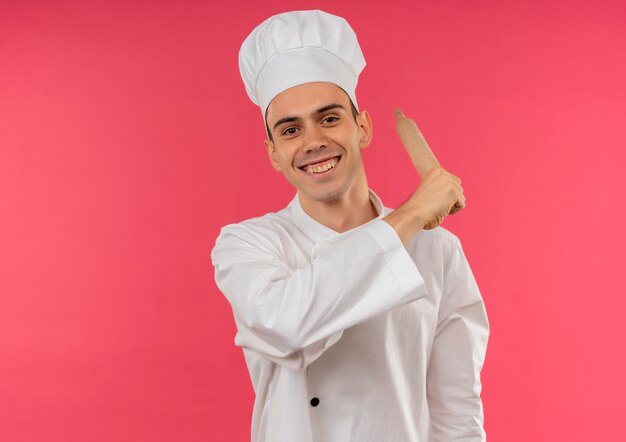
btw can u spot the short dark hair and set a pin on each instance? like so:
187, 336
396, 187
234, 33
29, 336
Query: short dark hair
355, 113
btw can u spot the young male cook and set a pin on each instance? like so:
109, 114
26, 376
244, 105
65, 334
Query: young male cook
357, 322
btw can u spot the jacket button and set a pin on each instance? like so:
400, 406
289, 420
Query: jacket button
315, 402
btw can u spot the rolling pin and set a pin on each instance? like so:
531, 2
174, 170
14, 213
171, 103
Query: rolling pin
422, 157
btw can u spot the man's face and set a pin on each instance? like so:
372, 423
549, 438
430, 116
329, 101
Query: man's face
316, 141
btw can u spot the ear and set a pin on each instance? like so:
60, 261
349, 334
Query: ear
364, 121
271, 152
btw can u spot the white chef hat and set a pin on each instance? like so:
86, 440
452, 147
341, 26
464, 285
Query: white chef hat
299, 47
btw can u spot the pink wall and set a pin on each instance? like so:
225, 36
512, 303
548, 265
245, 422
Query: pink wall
127, 140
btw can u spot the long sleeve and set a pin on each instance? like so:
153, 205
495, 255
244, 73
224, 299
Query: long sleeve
291, 315
458, 353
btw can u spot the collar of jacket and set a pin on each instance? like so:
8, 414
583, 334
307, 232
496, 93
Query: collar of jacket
316, 231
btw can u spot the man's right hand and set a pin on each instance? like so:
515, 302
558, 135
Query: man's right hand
439, 194
434, 198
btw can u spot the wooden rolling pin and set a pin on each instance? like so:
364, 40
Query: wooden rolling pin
422, 157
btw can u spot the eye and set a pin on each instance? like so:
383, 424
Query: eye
330, 120
290, 131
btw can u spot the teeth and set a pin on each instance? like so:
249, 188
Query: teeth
319, 169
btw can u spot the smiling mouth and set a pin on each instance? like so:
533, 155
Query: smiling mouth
322, 166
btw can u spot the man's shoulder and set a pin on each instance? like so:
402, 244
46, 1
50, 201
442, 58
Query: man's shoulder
440, 234
265, 226
267, 221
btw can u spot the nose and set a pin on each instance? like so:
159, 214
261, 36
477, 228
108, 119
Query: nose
314, 139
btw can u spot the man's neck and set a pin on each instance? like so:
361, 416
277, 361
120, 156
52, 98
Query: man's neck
342, 214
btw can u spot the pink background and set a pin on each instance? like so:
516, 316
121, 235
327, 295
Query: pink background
127, 141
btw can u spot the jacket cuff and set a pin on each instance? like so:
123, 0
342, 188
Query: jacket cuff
400, 262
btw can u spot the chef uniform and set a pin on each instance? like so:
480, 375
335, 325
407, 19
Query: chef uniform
348, 337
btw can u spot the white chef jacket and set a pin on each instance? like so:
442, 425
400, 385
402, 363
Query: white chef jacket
353, 337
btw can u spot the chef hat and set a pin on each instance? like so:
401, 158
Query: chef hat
299, 47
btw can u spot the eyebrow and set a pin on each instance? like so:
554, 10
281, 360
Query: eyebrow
321, 110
